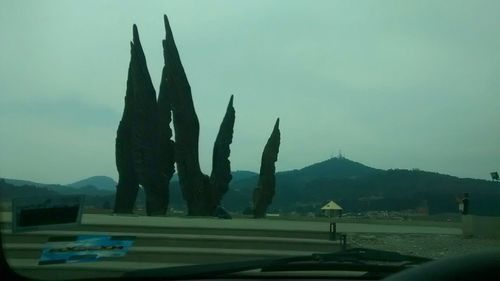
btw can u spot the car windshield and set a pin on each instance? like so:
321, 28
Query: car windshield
160, 134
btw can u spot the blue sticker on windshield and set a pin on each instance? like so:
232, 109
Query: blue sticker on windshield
84, 248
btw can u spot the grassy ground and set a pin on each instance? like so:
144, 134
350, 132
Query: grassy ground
438, 220
446, 220
424, 245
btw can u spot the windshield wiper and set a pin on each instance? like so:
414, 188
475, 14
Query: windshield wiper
359, 255
374, 262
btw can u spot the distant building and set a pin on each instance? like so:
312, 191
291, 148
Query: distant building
272, 215
332, 209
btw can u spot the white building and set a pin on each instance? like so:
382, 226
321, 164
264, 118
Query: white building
332, 209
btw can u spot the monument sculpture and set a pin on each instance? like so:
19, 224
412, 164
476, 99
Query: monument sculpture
221, 166
264, 192
202, 193
143, 148
145, 152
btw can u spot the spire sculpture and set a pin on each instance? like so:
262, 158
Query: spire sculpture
143, 146
167, 145
264, 192
202, 193
146, 153
221, 166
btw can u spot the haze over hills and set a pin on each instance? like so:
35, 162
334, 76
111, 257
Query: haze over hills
92, 186
104, 182
290, 184
333, 168
100, 182
354, 186
24, 182
336, 167
237, 175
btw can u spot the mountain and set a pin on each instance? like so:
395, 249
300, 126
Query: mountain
242, 175
99, 182
352, 185
15, 182
290, 184
358, 188
61, 189
333, 168
9, 190
399, 190
91, 183
336, 168
36, 188
94, 197
237, 175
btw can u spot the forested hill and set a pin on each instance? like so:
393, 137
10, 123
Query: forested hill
93, 196
399, 190
101, 182
333, 168
357, 187
354, 186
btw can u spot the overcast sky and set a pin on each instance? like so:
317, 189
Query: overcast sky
393, 84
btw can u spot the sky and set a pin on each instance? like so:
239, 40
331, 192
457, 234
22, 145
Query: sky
392, 84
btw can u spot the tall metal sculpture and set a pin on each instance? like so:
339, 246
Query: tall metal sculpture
146, 153
264, 192
202, 193
221, 166
143, 147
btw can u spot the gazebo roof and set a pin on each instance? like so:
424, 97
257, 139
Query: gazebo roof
331, 206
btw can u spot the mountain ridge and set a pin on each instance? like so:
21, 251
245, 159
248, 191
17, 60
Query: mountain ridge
348, 182
100, 182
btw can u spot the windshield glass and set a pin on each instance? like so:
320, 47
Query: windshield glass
171, 133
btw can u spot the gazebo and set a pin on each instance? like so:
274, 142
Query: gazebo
332, 209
